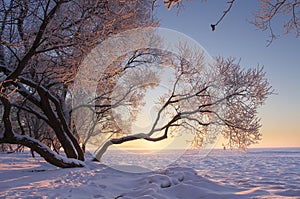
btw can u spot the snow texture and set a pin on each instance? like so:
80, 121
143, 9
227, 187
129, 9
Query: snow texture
24, 177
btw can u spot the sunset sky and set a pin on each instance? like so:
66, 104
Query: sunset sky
236, 37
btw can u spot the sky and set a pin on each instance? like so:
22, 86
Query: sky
236, 37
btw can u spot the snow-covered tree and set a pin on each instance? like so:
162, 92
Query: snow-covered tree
42, 45
205, 100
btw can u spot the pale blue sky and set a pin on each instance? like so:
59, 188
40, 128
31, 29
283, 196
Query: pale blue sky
238, 38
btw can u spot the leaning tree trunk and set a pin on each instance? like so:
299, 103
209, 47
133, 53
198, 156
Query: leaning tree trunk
44, 151
54, 120
10, 137
128, 138
60, 126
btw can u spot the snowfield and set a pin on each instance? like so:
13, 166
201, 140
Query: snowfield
256, 174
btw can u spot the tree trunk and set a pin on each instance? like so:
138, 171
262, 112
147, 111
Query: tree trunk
10, 137
121, 140
43, 151
56, 126
102, 150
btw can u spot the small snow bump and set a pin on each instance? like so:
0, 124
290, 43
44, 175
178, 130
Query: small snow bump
98, 196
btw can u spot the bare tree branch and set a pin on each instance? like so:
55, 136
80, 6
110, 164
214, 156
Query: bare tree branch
213, 26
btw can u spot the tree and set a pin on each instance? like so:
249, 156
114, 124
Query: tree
42, 45
204, 100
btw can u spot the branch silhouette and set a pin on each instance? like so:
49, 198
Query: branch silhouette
213, 26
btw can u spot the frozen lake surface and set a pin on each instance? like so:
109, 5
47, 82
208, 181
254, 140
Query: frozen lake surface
259, 173
276, 171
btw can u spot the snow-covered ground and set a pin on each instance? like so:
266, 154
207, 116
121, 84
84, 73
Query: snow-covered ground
259, 173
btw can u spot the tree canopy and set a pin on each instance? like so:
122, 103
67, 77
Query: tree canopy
44, 43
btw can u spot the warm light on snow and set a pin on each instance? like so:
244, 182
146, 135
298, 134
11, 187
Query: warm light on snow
261, 173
